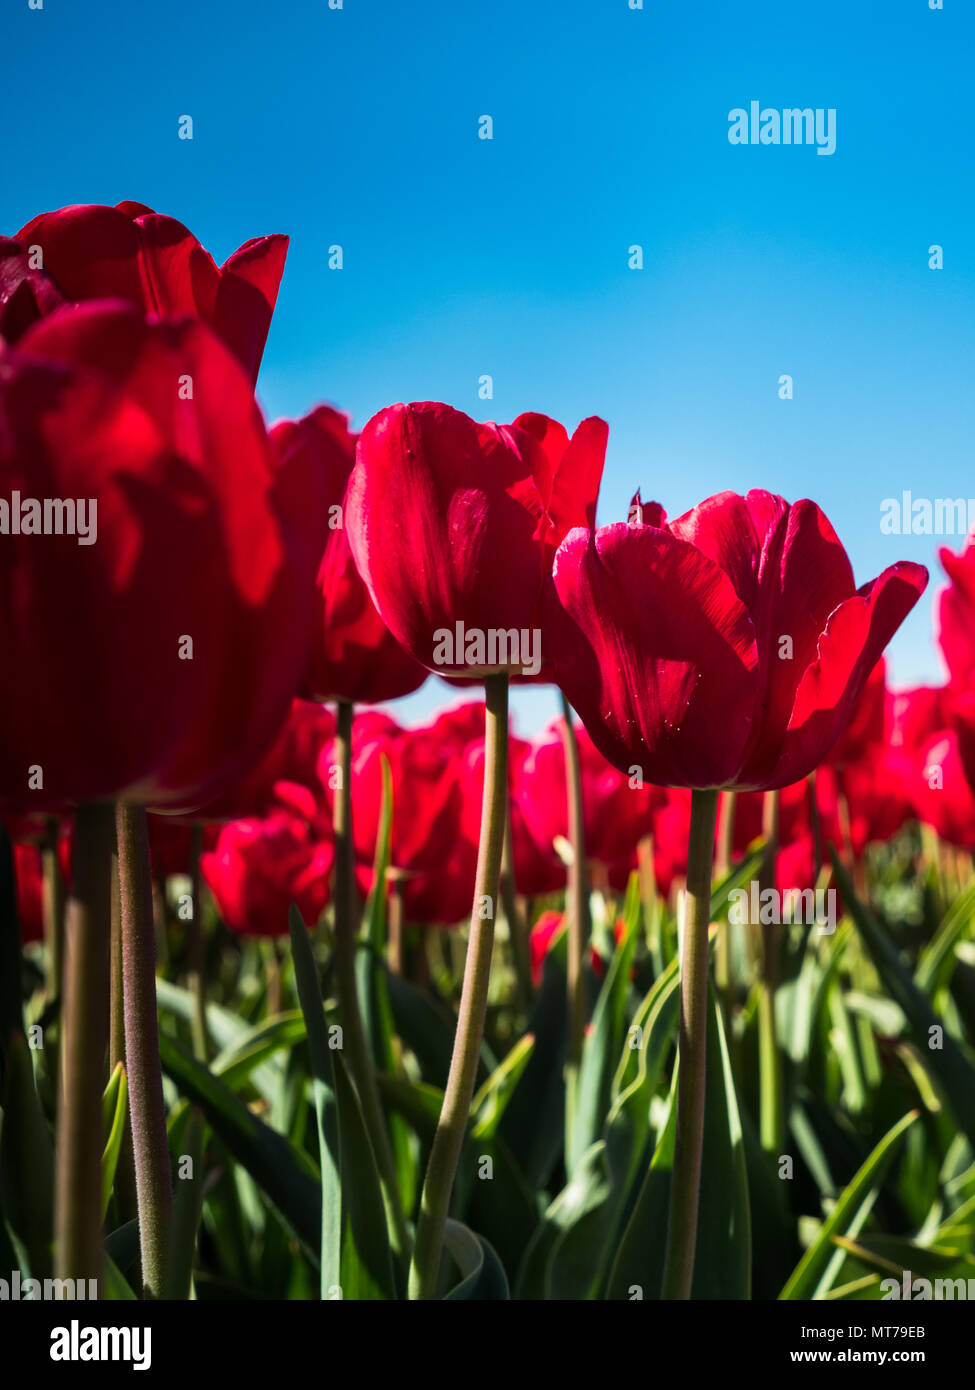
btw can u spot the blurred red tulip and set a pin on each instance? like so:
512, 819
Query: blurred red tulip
131, 253
258, 868
865, 731
429, 853
453, 526
616, 815
726, 648
175, 631
354, 656
944, 798
955, 614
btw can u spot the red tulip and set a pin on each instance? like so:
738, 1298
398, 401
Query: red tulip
943, 797
29, 878
130, 252
955, 614
200, 539
616, 815
726, 648
453, 526
865, 731
428, 851
353, 655
541, 938
260, 867
293, 757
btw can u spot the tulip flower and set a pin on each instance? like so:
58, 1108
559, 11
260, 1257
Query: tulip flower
258, 868
354, 659
156, 649
727, 648
128, 252
453, 526
943, 798
190, 581
955, 614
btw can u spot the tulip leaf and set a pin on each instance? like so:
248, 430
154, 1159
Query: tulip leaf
813, 1275
722, 1265
187, 1207
356, 1262
942, 1054
225, 1028
117, 1095
482, 1274
604, 1038
534, 1120
937, 959
282, 1171
490, 1102
373, 991
238, 1059
26, 1161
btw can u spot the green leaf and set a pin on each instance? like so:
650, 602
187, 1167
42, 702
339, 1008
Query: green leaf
533, 1123
284, 1172
26, 1161
490, 1102
355, 1251
482, 1274
235, 1062
722, 1266
937, 958
812, 1276
187, 1208
604, 1038
326, 1106
117, 1094
948, 1063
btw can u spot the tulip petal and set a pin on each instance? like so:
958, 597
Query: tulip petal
655, 651
851, 644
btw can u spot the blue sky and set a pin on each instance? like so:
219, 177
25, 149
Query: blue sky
509, 257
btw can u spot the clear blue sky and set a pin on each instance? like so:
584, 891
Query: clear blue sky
462, 256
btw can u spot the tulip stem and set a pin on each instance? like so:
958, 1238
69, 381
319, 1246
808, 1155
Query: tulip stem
578, 914
770, 1060
147, 1111
53, 907
84, 1038
452, 1125
198, 950
346, 931
518, 932
685, 1184
722, 866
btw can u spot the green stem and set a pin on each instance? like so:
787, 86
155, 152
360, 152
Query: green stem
772, 1126
147, 1112
578, 913
685, 1185
53, 906
346, 931
722, 866
126, 1201
452, 1125
517, 930
84, 1038
197, 944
